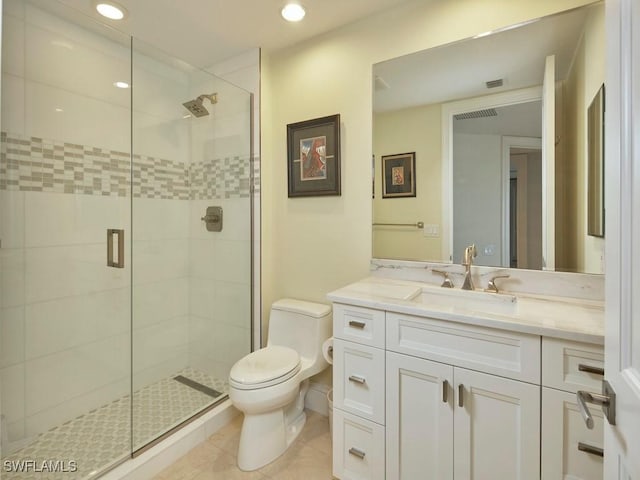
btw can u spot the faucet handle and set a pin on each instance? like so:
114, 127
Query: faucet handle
491, 286
446, 283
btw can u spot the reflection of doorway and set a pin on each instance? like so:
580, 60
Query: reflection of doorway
525, 206
478, 162
480, 174
513, 220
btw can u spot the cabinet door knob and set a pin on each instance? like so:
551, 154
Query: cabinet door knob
357, 379
356, 324
356, 452
461, 395
445, 391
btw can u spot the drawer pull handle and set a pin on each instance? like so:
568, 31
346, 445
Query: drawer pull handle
445, 391
461, 395
358, 379
356, 324
583, 447
356, 452
589, 369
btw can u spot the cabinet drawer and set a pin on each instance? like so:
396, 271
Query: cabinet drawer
563, 429
359, 379
358, 448
568, 365
358, 324
507, 354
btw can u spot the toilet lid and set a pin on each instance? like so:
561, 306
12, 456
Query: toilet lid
264, 365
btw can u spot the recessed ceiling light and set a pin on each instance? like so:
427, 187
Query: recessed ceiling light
121, 84
293, 12
111, 10
58, 109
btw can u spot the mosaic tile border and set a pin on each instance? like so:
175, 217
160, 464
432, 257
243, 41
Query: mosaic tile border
40, 165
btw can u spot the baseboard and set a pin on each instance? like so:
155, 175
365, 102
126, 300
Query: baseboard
316, 398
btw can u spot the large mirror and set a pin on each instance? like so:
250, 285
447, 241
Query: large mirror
498, 128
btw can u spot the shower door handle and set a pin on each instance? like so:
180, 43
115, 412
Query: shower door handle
119, 263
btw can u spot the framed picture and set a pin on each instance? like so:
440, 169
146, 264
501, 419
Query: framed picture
595, 171
313, 157
399, 175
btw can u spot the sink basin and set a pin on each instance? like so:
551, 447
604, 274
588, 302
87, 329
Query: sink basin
476, 300
385, 289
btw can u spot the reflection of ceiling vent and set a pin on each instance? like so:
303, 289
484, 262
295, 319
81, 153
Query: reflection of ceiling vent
489, 112
494, 83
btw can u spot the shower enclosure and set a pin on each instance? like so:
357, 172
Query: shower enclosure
125, 298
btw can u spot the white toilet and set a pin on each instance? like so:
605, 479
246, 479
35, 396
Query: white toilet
269, 385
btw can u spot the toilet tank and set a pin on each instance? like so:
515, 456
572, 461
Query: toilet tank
300, 325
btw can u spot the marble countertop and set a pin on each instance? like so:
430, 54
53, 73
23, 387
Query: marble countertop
559, 317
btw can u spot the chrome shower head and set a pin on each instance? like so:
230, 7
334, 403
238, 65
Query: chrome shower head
196, 106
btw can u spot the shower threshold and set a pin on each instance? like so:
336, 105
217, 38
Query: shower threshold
102, 438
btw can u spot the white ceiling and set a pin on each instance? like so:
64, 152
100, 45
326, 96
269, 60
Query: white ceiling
203, 32
460, 70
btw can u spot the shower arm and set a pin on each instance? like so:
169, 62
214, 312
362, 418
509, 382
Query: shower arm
213, 98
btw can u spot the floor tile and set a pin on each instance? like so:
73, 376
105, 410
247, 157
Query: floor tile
309, 458
227, 438
300, 461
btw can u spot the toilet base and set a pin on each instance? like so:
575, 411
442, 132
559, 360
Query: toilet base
266, 436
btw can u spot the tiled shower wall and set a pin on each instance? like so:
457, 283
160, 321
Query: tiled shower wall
64, 316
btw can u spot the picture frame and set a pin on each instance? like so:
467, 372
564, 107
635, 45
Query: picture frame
399, 175
313, 157
595, 169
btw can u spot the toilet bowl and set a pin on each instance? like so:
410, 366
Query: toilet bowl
270, 384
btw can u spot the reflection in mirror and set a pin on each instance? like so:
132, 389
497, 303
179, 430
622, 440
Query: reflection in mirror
499, 126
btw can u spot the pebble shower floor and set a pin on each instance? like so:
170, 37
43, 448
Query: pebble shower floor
101, 437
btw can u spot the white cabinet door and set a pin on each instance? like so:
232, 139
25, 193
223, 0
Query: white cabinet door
419, 419
496, 428
569, 448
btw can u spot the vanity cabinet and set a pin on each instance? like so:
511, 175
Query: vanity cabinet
419, 397
569, 448
444, 421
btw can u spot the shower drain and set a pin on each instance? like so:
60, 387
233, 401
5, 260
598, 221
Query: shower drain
197, 386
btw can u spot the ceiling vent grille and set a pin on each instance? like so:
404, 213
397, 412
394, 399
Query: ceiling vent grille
494, 83
489, 112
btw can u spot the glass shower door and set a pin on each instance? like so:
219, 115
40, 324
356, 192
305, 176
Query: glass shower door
191, 239
64, 182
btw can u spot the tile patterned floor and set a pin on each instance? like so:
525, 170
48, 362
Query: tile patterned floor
103, 436
309, 458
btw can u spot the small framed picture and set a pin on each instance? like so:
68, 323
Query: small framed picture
313, 157
399, 175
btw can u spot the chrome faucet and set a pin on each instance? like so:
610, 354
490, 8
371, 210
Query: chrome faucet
469, 254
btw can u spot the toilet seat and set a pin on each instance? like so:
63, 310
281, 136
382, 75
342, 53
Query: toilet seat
265, 367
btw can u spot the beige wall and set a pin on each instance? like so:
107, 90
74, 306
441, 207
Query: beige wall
580, 252
314, 245
409, 130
